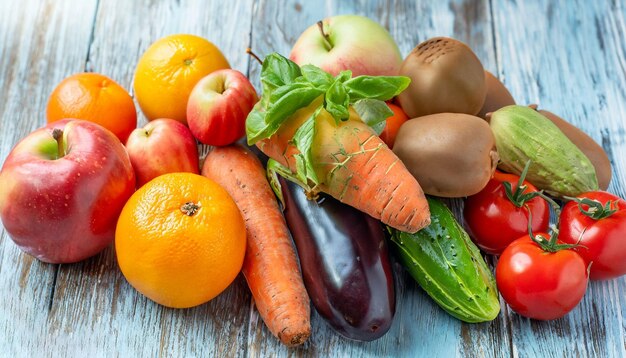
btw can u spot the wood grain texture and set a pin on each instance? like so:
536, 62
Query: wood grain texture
39, 47
573, 63
93, 296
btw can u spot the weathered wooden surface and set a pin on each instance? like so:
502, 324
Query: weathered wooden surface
38, 48
570, 61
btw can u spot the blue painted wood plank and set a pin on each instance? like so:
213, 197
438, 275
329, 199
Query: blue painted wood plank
37, 47
572, 63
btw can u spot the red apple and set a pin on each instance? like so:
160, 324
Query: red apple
218, 106
162, 146
348, 42
62, 189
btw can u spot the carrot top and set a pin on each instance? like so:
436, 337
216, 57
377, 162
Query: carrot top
288, 87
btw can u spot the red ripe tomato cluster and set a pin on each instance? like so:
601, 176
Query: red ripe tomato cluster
543, 274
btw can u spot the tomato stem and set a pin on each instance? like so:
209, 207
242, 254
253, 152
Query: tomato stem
595, 208
518, 197
555, 206
551, 244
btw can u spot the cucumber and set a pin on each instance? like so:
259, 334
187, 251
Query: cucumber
557, 165
449, 266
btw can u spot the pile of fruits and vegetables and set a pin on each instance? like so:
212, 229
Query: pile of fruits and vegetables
312, 185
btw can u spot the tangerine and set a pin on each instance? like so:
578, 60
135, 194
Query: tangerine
393, 125
169, 69
95, 98
180, 240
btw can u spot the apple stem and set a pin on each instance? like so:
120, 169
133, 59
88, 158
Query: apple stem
57, 134
190, 208
320, 25
249, 52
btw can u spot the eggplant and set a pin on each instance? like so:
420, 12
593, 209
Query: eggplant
345, 263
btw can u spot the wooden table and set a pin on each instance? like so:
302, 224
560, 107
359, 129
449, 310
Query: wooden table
569, 56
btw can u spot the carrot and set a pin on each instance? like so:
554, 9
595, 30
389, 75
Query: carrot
270, 265
356, 167
320, 131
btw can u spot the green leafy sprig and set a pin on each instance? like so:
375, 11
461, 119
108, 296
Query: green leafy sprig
288, 87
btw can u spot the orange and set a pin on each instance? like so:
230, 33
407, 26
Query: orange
180, 240
393, 125
168, 71
95, 98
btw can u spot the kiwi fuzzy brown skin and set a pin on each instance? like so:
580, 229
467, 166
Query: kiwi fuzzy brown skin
498, 96
446, 76
450, 154
586, 144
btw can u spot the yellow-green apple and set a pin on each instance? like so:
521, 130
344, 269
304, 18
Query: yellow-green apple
162, 146
62, 189
218, 106
348, 42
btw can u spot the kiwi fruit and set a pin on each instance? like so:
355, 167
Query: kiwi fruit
497, 96
446, 76
450, 154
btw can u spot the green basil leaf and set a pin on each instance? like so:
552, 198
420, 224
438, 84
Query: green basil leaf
303, 140
316, 76
343, 76
255, 122
296, 97
376, 87
280, 92
374, 113
278, 71
337, 101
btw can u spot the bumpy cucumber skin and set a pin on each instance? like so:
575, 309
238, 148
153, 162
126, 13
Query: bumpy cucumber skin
558, 166
449, 266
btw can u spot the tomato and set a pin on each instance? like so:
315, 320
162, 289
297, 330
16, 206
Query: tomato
602, 238
494, 221
393, 125
539, 284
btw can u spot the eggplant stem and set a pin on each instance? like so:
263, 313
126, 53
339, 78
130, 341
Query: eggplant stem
274, 169
272, 177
